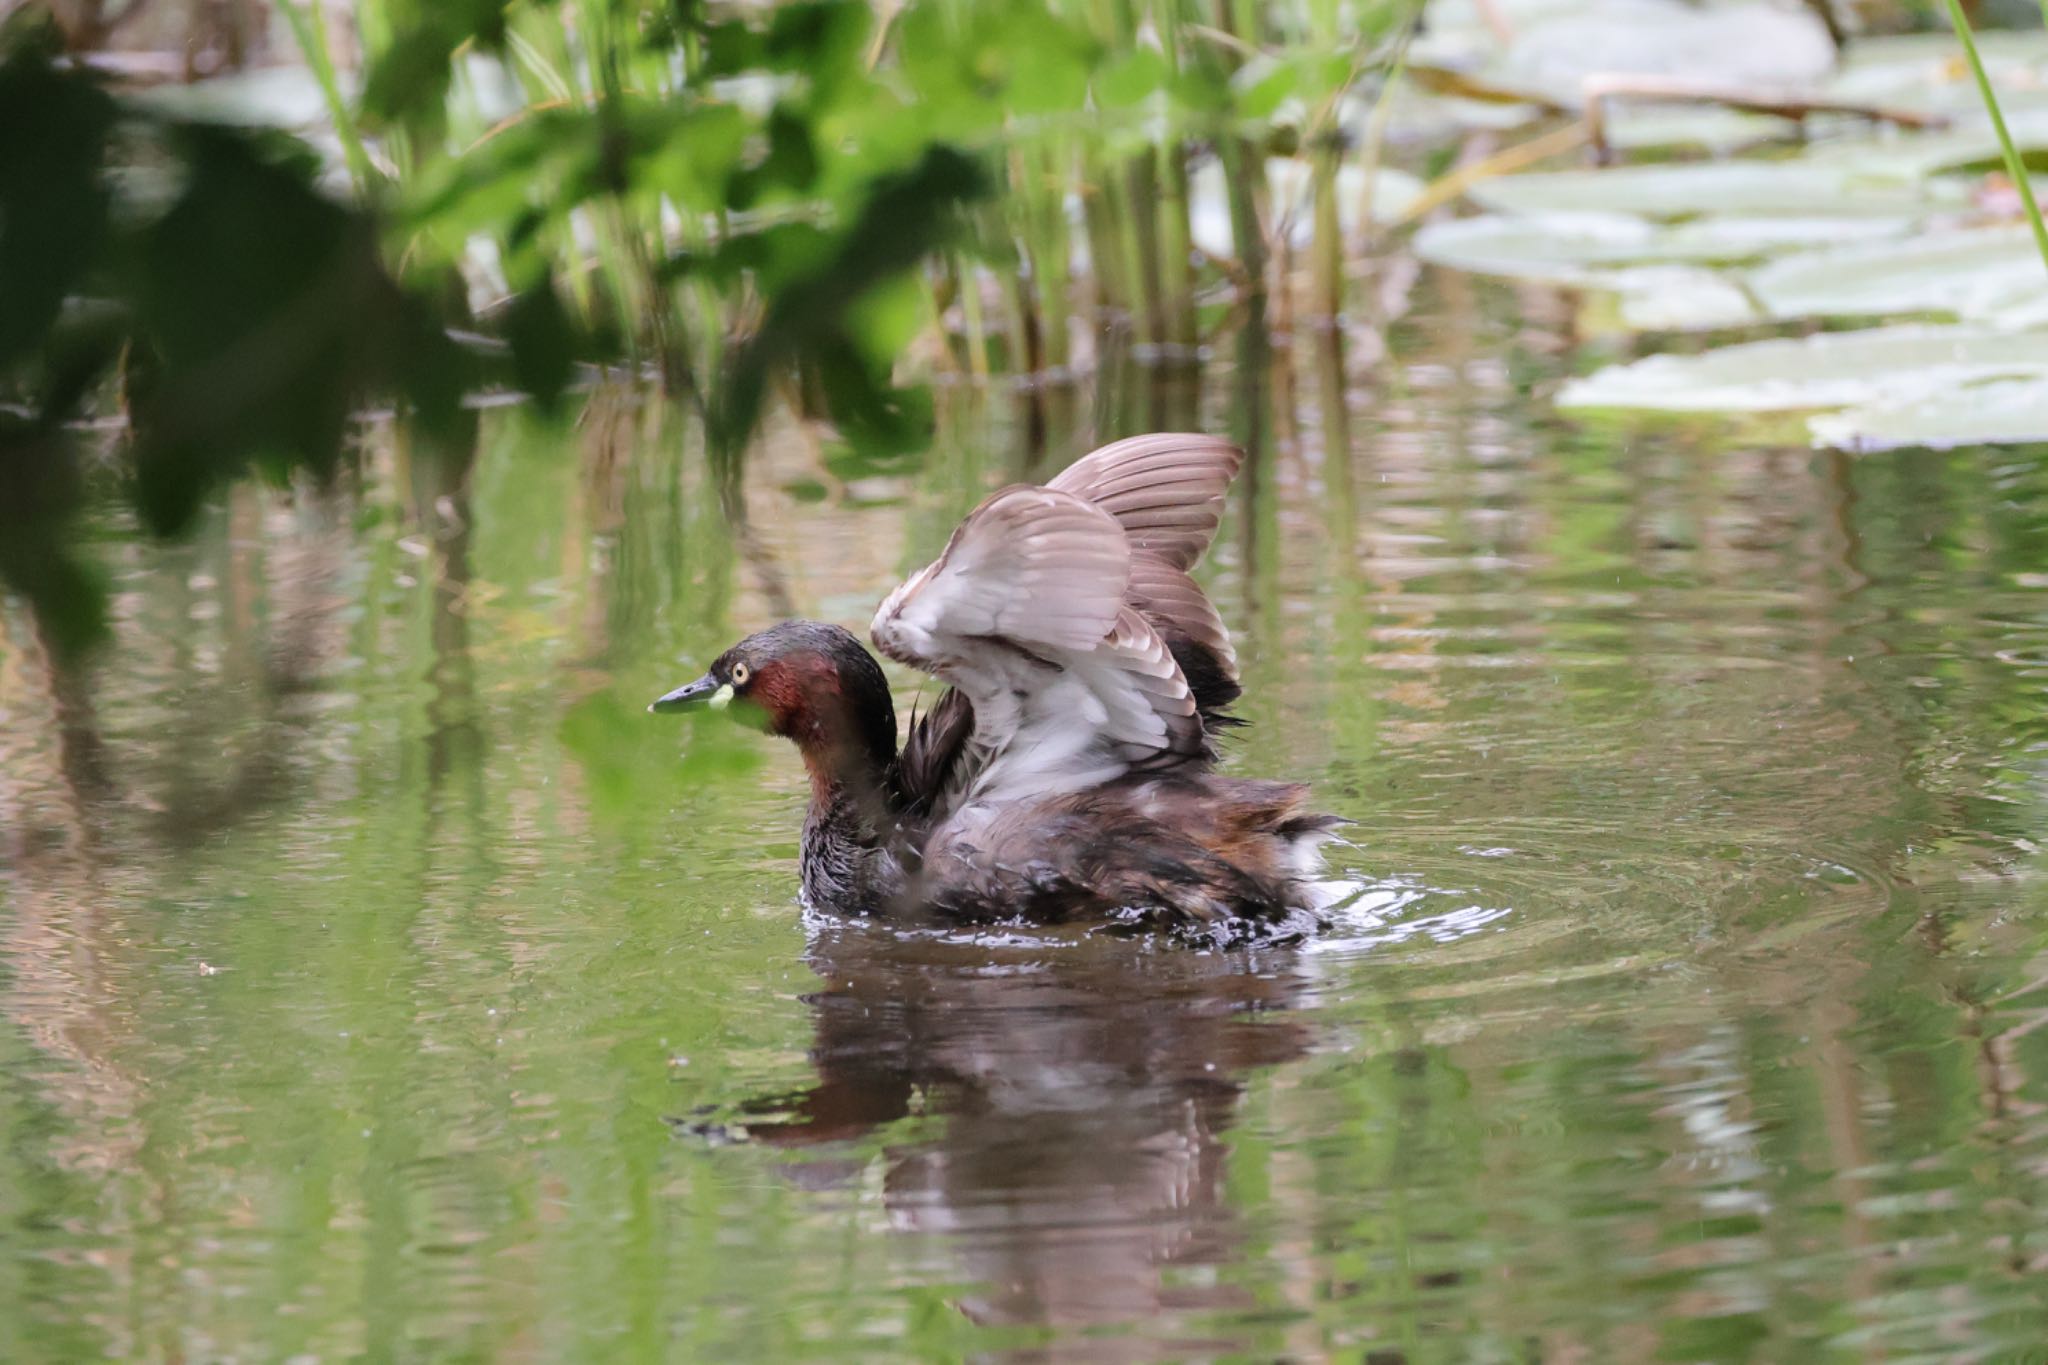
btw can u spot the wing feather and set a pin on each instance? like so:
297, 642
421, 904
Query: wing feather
1063, 615
1165, 489
1034, 566
1176, 604
1161, 714
932, 752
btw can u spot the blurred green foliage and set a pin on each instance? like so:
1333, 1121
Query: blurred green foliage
738, 201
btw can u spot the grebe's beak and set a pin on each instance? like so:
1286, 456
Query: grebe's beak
706, 691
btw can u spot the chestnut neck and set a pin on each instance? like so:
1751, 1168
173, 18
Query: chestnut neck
847, 756
849, 831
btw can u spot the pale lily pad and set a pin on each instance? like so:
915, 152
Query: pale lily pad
1569, 248
1939, 47
1926, 71
1461, 33
1553, 48
2025, 310
1759, 45
1870, 221
1554, 248
1794, 188
1995, 412
1900, 154
1735, 238
1832, 370
1637, 124
1965, 274
1680, 298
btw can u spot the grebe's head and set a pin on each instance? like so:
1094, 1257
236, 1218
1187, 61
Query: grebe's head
809, 682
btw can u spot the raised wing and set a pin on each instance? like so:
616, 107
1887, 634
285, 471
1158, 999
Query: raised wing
1166, 490
1025, 614
932, 753
1030, 565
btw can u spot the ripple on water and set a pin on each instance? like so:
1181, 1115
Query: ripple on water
1680, 1001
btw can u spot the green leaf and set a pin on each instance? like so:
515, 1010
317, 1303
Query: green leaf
732, 48
53, 204
1136, 76
39, 477
903, 218
543, 341
1263, 84
268, 312
790, 163
408, 81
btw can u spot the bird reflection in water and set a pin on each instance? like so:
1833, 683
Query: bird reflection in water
1082, 1084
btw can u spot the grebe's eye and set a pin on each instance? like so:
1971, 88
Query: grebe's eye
740, 674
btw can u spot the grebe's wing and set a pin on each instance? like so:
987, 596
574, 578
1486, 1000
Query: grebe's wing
1165, 490
1033, 566
932, 753
1025, 613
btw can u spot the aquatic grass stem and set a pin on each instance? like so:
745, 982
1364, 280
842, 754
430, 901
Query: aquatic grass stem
1323, 141
1243, 166
309, 29
1377, 122
1051, 257
1177, 211
2014, 165
971, 316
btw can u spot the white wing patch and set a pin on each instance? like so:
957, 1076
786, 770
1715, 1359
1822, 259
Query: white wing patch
1025, 613
1031, 565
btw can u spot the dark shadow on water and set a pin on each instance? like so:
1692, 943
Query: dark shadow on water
1081, 1086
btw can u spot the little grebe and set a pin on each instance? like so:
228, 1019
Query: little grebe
1068, 772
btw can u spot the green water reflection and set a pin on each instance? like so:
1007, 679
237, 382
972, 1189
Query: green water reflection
380, 981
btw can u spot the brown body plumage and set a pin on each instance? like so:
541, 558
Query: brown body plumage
1069, 770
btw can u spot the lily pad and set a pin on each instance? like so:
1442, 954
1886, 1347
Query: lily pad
1552, 48
1926, 71
1964, 274
1680, 298
1995, 412
1899, 154
1566, 248
1636, 125
1558, 248
1868, 221
1831, 370
1759, 189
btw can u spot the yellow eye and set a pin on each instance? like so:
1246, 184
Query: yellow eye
740, 674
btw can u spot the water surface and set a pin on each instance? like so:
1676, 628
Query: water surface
379, 980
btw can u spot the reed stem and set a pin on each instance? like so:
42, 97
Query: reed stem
2015, 165
309, 30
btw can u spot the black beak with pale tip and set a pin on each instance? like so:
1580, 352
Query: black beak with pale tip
708, 691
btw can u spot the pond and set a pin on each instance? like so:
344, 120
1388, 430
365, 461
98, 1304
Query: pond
380, 980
